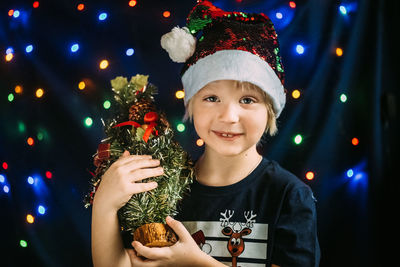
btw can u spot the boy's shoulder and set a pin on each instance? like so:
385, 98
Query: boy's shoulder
281, 177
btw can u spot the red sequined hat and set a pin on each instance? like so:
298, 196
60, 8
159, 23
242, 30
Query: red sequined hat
230, 46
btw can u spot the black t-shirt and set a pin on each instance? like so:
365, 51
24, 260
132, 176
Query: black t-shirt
268, 217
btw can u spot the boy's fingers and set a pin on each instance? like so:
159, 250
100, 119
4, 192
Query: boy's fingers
178, 228
149, 253
143, 187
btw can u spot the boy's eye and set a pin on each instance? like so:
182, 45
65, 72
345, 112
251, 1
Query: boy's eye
247, 100
211, 99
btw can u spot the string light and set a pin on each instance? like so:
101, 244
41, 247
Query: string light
30, 141
10, 12
2, 178
292, 4
35, 4
103, 16
355, 141
30, 180
199, 142
339, 52
180, 94
74, 48
343, 10
180, 127
343, 98
5, 165
39, 92
23, 243
106, 104
103, 64
130, 52
299, 49
29, 48
80, 7
10, 97
278, 15
132, 3
166, 14
16, 13
88, 122
9, 57
298, 139
6, 189
41, 210
49, 175
310, 175
30, 218
350, 173
81, 85
296, 94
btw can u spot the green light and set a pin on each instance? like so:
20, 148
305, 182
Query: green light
343, 98
10, 97
298, 139
40, 136
106, 104
180, 127
21, 127
88, 122
23, 243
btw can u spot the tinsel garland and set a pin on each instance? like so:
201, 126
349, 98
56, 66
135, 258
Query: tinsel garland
142, 130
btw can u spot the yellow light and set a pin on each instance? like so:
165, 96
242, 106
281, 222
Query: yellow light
18, 89
132, 3
9, 56
30, 218
81, 85
39, 93
296, 94
310, 175
103, 64
339, 52
180, 94
199, 142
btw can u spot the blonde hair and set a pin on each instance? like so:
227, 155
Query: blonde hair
271, 127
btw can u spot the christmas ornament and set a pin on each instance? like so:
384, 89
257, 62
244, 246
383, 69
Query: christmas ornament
142, 129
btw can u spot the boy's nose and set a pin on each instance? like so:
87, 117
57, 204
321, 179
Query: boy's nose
229, 113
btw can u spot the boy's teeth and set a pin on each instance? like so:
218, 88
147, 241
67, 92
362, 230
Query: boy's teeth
227, 135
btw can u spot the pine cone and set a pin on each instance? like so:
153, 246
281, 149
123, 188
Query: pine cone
137, 111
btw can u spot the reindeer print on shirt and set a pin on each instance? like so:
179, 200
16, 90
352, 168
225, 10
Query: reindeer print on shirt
233, 243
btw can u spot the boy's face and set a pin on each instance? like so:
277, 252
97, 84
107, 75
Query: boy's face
229, 120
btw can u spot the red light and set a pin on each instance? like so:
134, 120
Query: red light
80, 7
11, 12
35, 4
355, 141
292, 4
30, 141
166, 14
132, 3
310, 175
49, 175
5, 165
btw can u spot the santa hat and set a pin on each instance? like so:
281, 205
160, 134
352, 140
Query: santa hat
230, 46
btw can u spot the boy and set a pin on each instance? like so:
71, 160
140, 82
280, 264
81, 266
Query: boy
243, 209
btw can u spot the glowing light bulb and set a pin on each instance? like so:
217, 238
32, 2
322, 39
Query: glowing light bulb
132, 3
180, 127
30, 141
106, 104
166, 14
74, 48
30, 218
355, 141
298, 139
292, 4
88, 122
80, 7
343, 98
5, 165
81, 85
180, 94
296, 94
9, 57
23, 243
10, 97
6, 189
49, 175
339, 52
39, 92
29, 48
35, 4
199, 142
300, 49
103, 64
310, 175
103, 16
41, 209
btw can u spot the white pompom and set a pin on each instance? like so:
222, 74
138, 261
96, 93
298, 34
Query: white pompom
179, 43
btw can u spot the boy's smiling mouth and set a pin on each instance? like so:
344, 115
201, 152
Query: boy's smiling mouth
227, 135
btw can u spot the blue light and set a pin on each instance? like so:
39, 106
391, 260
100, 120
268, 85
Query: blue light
30, 180
343, 9
6, 189
74, 48
350, 173
9, 50
300, 49
41, 209
29, 48
16, 13
2, 178
103, 16
130, 52
278, 15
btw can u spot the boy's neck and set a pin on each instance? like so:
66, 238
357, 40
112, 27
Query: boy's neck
213, 169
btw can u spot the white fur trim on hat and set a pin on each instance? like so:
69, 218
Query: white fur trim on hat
179, 43
234, 65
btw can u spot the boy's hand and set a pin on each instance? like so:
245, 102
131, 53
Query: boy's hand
122, 180
185, 252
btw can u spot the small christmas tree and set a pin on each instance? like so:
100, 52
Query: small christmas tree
143, 130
